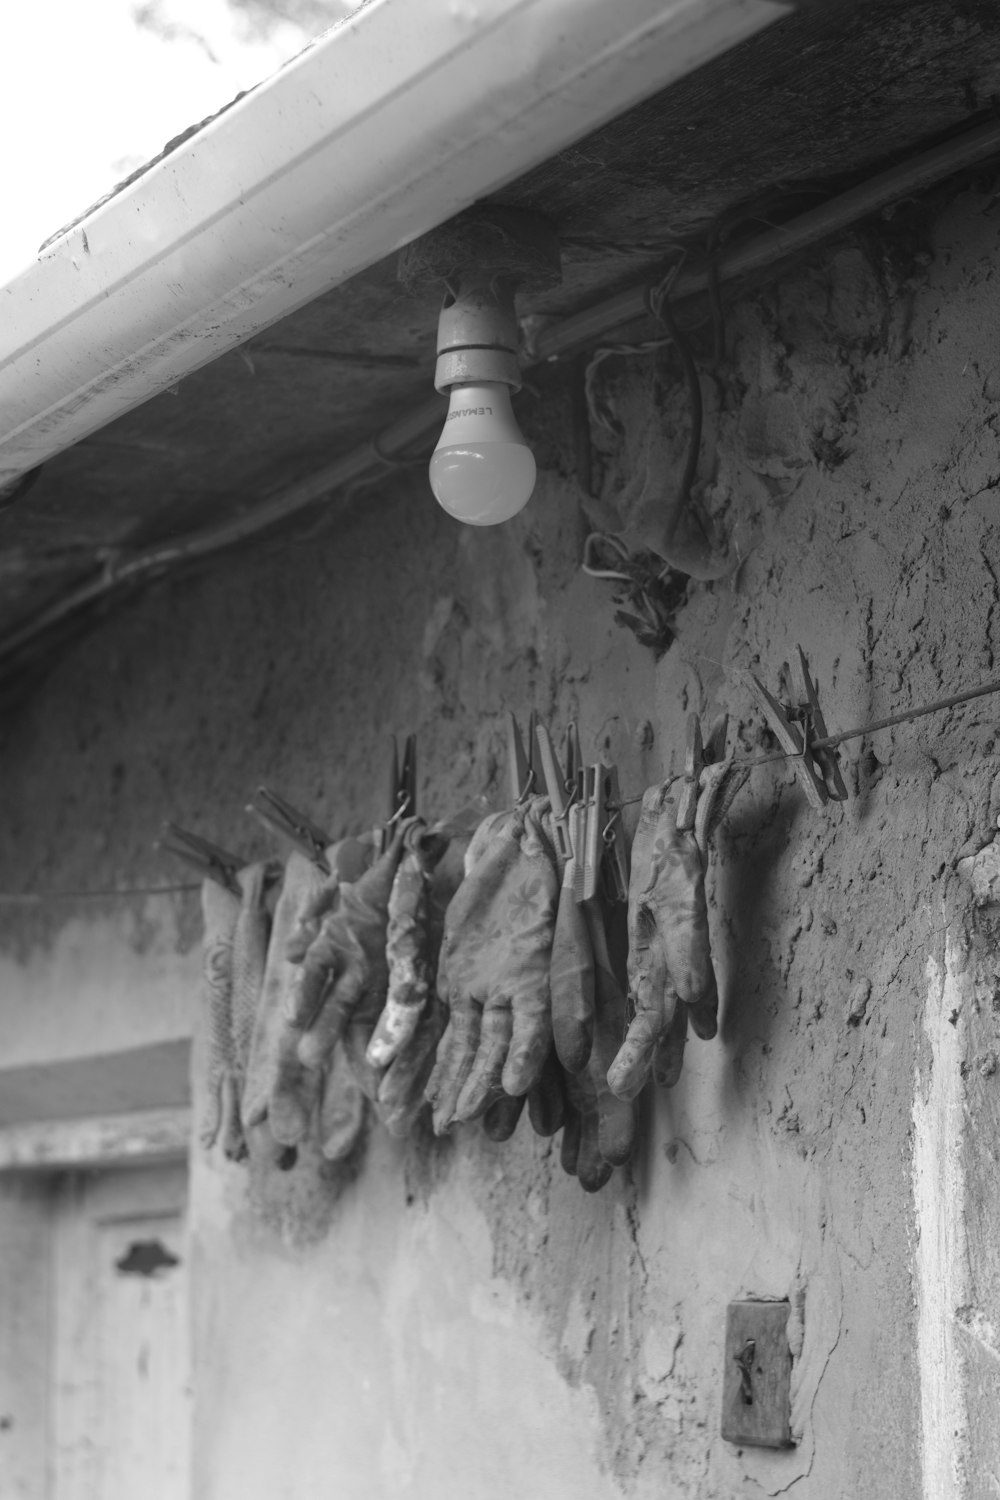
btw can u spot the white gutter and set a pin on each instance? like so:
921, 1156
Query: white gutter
390, 123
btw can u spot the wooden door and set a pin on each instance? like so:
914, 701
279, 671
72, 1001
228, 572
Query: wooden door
121, 1392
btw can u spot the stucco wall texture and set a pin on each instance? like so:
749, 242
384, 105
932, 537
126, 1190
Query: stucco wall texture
455, 1318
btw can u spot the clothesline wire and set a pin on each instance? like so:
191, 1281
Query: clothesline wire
828, 742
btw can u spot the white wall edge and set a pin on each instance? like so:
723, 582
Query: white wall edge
98, 1141
389, 124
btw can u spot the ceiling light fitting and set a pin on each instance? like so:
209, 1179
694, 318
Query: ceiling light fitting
482, 470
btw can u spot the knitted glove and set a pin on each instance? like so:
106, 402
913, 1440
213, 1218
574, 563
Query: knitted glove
250, 942
671, 978
220, 909
494, 967
279, 1087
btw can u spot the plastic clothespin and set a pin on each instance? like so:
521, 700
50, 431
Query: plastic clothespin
590, 850
402, 787
279, 816
793, 735
214, 862
560, 796
574, 761
523, 763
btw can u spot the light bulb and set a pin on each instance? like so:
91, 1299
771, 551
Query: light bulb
482, 470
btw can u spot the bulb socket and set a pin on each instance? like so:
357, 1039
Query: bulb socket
478, 335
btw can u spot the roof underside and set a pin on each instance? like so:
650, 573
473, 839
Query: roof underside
833, 92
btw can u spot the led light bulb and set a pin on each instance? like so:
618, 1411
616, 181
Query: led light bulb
482, 470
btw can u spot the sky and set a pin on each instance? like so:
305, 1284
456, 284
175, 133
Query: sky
91, 89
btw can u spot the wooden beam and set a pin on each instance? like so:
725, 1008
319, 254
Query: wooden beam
96, 1141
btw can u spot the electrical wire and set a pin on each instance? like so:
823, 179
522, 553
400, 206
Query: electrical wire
828, 742
568, 336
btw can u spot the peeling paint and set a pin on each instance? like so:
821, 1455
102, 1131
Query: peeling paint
941, 1269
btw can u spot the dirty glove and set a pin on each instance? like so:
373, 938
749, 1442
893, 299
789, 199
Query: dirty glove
348, 861
342, 1109
494, 967
599, 1132
671, 978
279, 1088
220, 909
545, 1100
408, 944
400, 1097
342, 980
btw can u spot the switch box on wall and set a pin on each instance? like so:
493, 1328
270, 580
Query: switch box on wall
756, 1382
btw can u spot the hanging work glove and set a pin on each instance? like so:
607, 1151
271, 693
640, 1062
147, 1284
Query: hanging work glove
599, 1132
408, 944
494, 967
341, 982
220, 909
348, 860
671, 978
279, 1087
250, 942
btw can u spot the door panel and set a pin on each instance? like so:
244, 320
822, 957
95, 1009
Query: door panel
121, 1418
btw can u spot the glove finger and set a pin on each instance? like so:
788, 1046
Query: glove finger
591, 1168
631, 1066
483, 1082
615, 1127
309, 920
355, 1043
668, 1058
704, 1014
393, 1031
293, 1100
569, 1148
501, 1117
531, 1038
546, 1104
317, 1043
401, 1092
648, 971
262, 1147
211, 1110
310, 983
341, 1109
234, 1144
456, 1054
681, 912
571, 981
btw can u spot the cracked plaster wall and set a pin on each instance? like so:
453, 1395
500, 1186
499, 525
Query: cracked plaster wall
457, 1318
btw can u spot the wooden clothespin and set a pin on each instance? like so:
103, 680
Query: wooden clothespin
795, 726
214, 862
279, 816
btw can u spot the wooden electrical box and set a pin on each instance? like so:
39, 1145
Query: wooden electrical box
757, 1371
